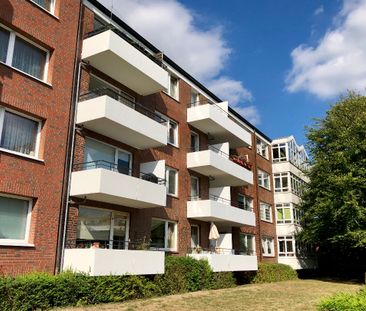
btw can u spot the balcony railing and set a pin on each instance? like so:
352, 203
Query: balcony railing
216, 198
110, 244
117, 168
220, 251
126, 38
123, 100
234, 158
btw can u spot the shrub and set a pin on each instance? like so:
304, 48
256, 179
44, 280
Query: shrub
222, 280
345, 301
273, 272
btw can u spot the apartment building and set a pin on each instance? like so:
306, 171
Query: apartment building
161, 165
290, 161
38, 42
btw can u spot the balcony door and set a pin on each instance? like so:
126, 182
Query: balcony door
195, 188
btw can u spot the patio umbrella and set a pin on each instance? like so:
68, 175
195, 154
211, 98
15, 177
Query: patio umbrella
214, 233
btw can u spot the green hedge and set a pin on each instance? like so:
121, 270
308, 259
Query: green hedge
345, 301
273, 272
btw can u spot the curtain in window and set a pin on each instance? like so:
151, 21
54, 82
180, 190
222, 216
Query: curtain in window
13, 218
19, 134
28, 58
4, 42
44, 4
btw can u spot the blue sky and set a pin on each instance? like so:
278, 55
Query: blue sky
280, 63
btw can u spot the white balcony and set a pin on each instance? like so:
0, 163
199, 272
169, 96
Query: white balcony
214, 120
218, 166
108, 186
114, 261
229, 262
114, 119
219, 212
111, 54
298, 263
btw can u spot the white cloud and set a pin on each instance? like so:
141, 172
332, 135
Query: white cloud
338, 62
319, 11
171, 27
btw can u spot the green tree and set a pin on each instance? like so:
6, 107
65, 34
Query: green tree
334, 203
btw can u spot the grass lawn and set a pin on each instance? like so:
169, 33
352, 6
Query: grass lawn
289, 295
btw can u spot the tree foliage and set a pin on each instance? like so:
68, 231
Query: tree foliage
334, 203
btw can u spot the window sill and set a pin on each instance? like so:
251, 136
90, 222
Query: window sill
15, 243
173, 145
44, 10
269, 256
2, 150
173, 98
27, 75
267, 221
174, 196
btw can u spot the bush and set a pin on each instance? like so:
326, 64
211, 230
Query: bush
222, 280
273, 272
345, 301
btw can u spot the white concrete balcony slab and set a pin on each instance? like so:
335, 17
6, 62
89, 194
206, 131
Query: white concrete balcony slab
109, 51
99, 183
298, 263
219, 211
229, 262
130, 124
97, 262
214, 120
218, 166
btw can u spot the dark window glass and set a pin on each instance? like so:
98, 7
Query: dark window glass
4, 42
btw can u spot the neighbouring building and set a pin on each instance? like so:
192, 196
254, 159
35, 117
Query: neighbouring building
38, 42
113, 156
290, 162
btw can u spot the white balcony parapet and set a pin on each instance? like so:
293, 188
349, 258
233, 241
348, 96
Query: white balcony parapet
298, 263
219, 167
97, 262
220, 211
109, 51
229, 262
126, 122
214, 120
98, 182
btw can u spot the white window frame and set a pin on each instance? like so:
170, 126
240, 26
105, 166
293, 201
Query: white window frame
280, 176
265, 240
38, 138
246, 235
265, 209
262, 176
197, 95
169, 86
198, 235
286, 239
278, 147
113, 212
10, 53
166, 222
167, 169
52, 8
262, 148
25, 242
247, 200
284, 221
168, 125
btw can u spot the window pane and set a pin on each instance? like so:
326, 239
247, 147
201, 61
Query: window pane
194, 236
13, 218
94, 224
279, 214
289, 246
287, 213
172, 132
46, 4
281, 246
28, 58
157, 233
96, 151
19, 134
172, 181
119, 231
194, 188
4, 42
123, 163
98, 23
171, 236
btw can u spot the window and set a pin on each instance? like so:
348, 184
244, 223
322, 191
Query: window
296, 185
172, 130
262, 148
98, 23
19, 53
46, 4
263, 180
245, 202
286, 246
247, 244
279, 153
195, 142
266, 212
18, 133
195, 236
281, 182
284, 213
195, 98
15, 215
173, 87
101, 155
102, 228
163, 234
297, 214
195, 188
171, 176
267, 246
